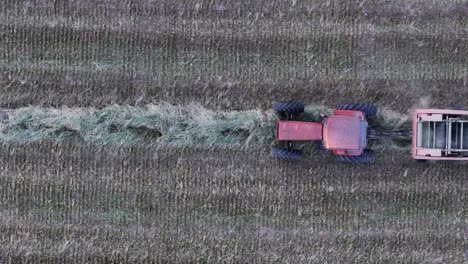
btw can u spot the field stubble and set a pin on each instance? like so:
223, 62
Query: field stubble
237, 59
62, 200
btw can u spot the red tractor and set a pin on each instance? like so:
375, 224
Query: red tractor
345, 133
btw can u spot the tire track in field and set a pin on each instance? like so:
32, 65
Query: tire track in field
156, 124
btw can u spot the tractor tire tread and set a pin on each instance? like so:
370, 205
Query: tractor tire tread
366, 158
286, 154
288, 107
368, 109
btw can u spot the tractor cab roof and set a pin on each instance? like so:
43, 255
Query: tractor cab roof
345, 133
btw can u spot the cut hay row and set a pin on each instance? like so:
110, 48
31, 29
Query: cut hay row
157, 124
165, 124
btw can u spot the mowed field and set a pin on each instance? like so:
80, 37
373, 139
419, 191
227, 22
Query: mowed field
98, 202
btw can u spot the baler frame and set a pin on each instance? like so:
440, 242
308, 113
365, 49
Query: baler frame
429, 144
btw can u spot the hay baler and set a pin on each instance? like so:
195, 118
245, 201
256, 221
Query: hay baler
440, 134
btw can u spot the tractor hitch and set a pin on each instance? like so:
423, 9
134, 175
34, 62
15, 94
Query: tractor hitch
376, 133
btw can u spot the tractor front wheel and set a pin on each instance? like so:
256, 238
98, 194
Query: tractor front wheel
368, 109
366, 158
288, 107
320, 146
286, 154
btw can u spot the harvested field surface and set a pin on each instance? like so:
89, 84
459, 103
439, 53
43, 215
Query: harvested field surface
140, 131
69, 201
232, 54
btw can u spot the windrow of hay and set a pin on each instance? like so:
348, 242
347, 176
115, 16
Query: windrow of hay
158, 124
163, 123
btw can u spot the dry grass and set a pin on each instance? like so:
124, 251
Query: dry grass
161, 124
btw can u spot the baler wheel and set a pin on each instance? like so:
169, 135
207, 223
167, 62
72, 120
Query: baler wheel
286, 154
458, 108
368, 109
288, 107
366, 158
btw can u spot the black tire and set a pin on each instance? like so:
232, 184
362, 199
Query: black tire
286, 154
366, 158
320, 146
288, 107
456, 108
456, 161
368, 109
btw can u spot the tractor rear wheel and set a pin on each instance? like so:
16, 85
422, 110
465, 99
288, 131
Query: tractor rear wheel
288, 107
286, 154
365, 158
368, 109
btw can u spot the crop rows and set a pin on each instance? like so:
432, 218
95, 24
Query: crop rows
340, 51
93, 203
